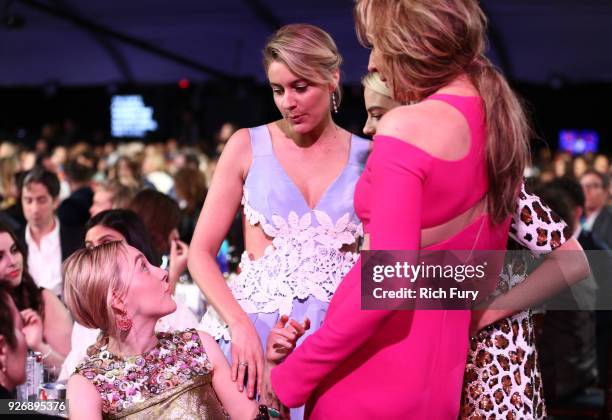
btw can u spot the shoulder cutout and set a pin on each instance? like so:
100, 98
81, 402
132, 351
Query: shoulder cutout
434, 126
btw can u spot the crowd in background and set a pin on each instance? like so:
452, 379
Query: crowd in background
165, 185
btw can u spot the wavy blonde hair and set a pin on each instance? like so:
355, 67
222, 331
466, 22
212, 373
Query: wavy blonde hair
373, 81
308, 51
91, 275
425, 44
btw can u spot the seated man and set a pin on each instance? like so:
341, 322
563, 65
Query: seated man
48, 241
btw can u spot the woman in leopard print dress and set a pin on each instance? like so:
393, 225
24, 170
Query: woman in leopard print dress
502, 375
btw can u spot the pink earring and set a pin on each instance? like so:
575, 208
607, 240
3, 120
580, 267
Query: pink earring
124, 323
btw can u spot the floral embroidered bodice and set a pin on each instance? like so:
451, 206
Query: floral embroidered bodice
305, 257
178, 360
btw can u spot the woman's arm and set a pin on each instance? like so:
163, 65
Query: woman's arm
564, 267
57, 324
237, 405
397, 171
222, 202
537, 228
51, 335
83, 399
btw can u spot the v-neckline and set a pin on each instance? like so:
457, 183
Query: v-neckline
294, 185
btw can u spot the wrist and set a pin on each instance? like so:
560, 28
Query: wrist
46, 350
238, 320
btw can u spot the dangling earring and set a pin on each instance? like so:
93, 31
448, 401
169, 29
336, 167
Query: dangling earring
334, 103
124, 323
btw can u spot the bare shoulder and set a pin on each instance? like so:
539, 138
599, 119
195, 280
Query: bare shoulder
433, 126
238, 151
211, 347
83, 395
206, 338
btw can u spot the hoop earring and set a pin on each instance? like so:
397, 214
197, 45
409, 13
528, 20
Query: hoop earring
334, 103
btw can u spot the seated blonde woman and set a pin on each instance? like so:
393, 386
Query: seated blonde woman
132, 372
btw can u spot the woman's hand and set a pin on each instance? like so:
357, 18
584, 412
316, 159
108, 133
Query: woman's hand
247, 357
179, 252
283, 338
32, 329
482, 318
267, 395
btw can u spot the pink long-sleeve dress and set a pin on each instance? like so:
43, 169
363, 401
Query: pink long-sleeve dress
364, 364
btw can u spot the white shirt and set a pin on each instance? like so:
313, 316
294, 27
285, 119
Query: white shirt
83, 337
45, 263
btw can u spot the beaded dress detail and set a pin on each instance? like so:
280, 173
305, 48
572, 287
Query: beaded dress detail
172, 380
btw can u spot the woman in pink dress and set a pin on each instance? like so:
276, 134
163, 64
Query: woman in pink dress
444, 173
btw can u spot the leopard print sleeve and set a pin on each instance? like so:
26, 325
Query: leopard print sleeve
535, 226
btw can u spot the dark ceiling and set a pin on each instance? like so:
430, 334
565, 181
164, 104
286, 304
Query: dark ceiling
99, 42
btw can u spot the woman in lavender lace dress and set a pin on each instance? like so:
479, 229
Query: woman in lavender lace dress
295, 179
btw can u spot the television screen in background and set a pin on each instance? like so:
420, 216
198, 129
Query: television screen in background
130, 117
578, 142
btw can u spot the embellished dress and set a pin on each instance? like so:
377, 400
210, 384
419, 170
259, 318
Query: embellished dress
171, 381
502, 376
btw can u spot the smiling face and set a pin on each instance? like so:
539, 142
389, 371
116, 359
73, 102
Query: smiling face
304, 105
11, 261
376, 105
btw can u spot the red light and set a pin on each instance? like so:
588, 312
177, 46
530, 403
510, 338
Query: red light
183, 83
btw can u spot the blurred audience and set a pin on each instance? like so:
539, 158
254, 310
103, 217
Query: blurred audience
111, 195
13, 347
74, 210
48, 241
190, 189
161, 216
154, 169
568, 341
598, 215
48, 324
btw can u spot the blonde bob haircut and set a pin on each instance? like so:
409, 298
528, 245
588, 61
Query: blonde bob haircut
426, 44
308, 51
373, 82
90, 278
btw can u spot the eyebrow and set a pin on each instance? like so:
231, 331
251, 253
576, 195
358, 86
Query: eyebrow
104, 237
374, 108
292, 83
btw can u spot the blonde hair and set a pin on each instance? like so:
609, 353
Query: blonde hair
308, 51
424, 45
90, 278
373, 81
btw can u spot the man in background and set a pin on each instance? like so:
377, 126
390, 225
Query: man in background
48, 241
598, 214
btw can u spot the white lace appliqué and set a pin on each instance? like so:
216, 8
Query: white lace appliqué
303, 260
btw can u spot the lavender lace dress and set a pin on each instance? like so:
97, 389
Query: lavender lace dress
300, 270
